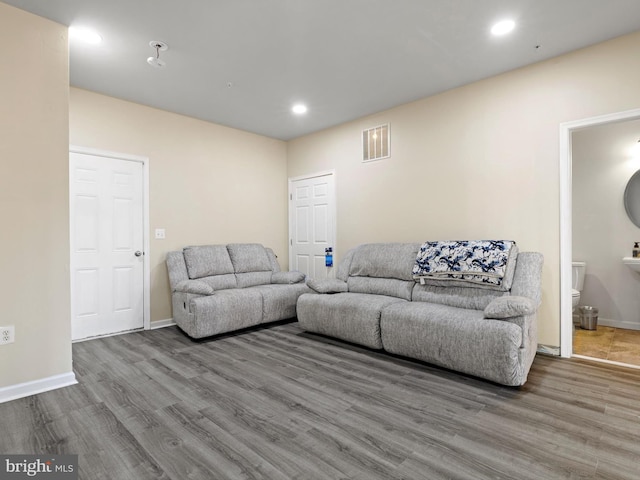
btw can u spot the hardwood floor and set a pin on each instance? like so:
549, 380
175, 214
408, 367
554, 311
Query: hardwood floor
277, 403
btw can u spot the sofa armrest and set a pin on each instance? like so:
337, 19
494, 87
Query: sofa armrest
329, 285
176, 268
509, 306
194, 286
287, 278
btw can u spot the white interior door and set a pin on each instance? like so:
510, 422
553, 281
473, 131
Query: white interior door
107, 245
311, 224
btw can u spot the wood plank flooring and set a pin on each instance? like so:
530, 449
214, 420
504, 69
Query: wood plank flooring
278, 403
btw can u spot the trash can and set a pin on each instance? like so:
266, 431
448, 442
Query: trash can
588, 318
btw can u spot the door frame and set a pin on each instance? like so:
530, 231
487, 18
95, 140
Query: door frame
325, 173
146, 301
566, 129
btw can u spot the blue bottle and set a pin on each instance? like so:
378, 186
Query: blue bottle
328, 257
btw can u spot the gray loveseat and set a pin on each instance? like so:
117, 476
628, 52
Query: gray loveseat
483, 330
221, 288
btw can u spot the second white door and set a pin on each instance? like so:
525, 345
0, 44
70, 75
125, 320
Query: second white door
107, 256
312, 224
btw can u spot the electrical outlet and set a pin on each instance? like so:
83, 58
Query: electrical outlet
7, 335
160, 234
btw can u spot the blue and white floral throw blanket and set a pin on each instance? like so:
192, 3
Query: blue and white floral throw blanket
477, 261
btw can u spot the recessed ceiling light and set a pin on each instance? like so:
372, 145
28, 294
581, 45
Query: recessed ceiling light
85, 35
299, 109
503, 27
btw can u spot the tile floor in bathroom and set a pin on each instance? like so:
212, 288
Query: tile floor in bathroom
608, 343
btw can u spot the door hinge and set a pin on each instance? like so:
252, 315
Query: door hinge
291, 196
291, 242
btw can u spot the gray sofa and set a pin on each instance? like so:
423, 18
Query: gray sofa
221, 288
483, 330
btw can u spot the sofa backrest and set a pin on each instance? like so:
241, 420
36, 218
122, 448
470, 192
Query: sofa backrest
250, 263
526, 282
527, 279
386, 269
176, 268
383, 269
223, 266
210, 264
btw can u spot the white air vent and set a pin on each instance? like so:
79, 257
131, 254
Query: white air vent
375, 143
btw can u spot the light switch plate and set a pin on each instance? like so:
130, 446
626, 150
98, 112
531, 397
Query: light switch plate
160, 234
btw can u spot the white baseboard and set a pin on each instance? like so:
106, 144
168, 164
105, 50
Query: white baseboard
167, 322
13, 392
606, 322
106, 335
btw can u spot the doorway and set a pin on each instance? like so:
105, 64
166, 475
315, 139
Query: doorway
312, 223
566, 217
109, 247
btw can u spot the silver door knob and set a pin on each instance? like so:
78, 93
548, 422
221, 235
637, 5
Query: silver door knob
138, 253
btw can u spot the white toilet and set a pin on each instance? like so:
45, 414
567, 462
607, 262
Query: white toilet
577, 273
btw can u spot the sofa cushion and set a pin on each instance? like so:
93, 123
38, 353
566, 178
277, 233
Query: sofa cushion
384, 260
354, 317
391, 287
196, 287
328, 285
207, 260
455, 296
279, 301
220, 282
251, 279
507, 306
224, 311
287, 278
249, 257
456, 338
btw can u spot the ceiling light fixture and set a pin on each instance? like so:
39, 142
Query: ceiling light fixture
160, 47
299, 109
503, 27
85, 35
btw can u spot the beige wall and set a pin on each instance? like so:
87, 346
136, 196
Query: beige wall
480, 161
34, 251
208, 183
603, 161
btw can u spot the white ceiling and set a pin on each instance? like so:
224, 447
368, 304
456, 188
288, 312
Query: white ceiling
343, 58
